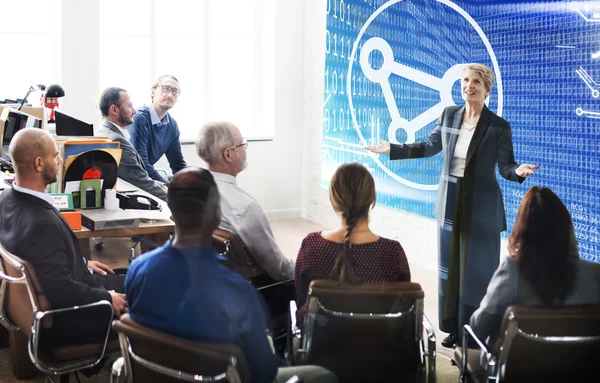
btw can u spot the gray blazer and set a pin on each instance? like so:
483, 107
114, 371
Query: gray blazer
131, 168
491, 145
508, 287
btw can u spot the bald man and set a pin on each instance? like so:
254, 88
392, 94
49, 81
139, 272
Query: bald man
183, 289
32, 228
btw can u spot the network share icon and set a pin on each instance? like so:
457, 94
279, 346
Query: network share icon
389, 67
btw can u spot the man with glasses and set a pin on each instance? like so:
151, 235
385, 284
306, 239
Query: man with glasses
117, 110
154, 131
221, 146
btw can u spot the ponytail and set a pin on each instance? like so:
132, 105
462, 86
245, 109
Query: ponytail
343, 269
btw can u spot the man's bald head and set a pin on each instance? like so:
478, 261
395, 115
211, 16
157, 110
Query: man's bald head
29, 149
194, 199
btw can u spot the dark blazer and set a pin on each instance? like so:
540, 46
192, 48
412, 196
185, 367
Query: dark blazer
131, 167
33, 230
491, 145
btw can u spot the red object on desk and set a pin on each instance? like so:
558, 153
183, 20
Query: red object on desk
73, 218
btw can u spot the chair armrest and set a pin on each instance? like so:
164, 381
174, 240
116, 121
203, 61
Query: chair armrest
292, 332
117, 370
38, 316
490, 359
431, 351
293, 319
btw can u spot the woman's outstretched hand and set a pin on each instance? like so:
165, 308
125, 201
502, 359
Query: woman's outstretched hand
382, 148
526, 170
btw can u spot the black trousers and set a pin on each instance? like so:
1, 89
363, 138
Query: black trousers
87, 325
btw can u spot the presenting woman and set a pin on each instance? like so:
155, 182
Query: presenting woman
469, 207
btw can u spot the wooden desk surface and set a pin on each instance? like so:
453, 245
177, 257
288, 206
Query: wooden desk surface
157, 227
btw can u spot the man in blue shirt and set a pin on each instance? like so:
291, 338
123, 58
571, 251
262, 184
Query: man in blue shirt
183, 289
154, 131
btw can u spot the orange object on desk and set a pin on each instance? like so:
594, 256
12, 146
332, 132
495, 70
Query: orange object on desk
73, 218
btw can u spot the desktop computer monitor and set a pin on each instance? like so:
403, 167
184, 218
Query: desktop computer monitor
67, 125
16, 121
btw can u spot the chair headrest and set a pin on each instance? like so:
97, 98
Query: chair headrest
365, 297
321, 287
134, 330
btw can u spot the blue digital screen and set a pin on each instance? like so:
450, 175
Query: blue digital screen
393, 66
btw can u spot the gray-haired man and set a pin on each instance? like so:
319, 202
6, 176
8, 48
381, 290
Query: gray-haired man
221, 146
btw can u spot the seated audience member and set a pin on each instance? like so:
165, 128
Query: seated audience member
543, 268
352, 252
183, 289
32, 228
154, 131
117, 110
221, 146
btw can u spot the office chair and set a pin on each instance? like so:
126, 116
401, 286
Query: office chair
365, 333
545, 344
26, 312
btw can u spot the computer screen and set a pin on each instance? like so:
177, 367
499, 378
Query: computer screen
67, 125
16, 121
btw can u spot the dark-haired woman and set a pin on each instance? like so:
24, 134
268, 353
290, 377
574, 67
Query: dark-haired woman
543, 268
352, 252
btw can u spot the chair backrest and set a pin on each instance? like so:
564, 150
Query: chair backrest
549, 344
364, 332
168, 353
232, 248
23, 293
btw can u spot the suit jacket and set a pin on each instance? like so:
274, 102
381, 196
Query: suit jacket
131, 167
34, 230
508, 288
491, 144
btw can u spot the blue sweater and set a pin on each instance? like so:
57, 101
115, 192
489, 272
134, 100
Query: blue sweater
153, 137
187, 292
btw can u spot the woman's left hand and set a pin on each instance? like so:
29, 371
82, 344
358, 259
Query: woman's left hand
526, 170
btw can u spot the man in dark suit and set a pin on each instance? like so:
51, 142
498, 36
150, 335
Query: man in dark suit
117, 110
32, 228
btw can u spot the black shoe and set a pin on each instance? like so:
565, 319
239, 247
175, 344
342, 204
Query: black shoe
451, 341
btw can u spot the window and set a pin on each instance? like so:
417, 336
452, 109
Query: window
222, 52
30, 46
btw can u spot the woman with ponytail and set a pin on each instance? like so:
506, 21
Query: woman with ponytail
352, 253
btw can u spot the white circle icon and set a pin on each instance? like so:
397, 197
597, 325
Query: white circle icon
390, 66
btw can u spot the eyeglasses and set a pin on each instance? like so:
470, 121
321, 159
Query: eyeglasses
244, 144
167, 89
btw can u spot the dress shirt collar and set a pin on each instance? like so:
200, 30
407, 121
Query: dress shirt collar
154, 116
43, 196
222, 177
124, 132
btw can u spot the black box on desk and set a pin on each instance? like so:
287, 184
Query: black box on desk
103, 219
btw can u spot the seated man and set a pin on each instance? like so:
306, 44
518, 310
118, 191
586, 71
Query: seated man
183, 289
33, 229
154, 131
221, 146
117, 110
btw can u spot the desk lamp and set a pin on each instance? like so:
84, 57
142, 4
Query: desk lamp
50, 99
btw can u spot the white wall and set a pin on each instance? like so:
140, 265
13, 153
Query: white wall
273, 175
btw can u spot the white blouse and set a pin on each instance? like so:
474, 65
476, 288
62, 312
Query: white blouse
465, 135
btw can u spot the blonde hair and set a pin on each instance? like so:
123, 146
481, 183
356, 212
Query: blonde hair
485, 72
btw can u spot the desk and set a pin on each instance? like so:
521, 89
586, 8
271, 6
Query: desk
155, 232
